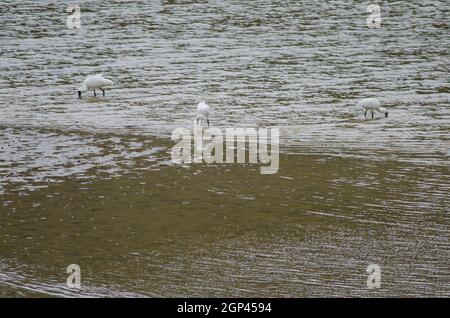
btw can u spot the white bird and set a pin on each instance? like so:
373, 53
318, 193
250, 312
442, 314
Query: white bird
202, 113
91, 83
371, 104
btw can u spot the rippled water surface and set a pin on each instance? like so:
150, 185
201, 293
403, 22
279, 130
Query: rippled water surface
90, 181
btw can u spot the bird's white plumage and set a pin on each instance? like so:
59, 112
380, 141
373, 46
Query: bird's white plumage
95, 82
203, 111
371, 104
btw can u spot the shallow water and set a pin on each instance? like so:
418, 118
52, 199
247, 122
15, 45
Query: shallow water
91, 182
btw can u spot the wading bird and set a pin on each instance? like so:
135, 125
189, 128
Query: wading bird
371, 104
91, 83
202, 113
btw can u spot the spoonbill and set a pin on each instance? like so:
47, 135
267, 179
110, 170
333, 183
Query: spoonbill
371, 104
91, 83
202, 113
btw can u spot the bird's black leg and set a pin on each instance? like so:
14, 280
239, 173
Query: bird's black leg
95, 93
372, 113
207, 120
102, 91
365, 113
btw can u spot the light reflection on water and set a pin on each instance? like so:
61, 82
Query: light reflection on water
91, 181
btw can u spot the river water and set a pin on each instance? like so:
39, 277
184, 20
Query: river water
91, 181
